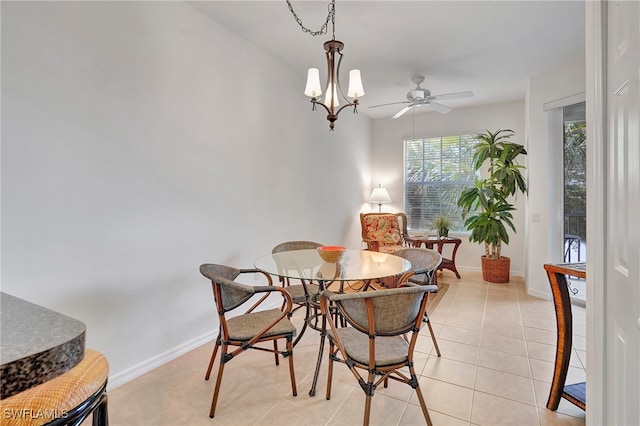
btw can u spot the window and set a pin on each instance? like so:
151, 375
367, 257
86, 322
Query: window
436, 170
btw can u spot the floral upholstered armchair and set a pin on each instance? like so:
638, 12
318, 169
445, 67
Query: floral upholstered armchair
384, 232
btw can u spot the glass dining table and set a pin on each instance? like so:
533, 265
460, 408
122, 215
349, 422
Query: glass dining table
354, 272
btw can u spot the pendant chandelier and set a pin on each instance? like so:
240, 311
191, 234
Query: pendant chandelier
333, 89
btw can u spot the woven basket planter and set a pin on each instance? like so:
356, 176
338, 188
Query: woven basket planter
496, 270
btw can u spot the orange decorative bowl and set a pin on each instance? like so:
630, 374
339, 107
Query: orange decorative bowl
332, 254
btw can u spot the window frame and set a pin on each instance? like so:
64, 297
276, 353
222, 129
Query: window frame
424, 222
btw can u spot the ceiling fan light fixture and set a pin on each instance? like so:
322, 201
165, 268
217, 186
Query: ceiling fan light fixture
416, 94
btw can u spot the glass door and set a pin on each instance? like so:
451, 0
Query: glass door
575, 190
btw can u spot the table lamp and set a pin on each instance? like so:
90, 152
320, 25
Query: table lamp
381, 196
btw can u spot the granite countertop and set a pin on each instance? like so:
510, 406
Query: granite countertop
37, 344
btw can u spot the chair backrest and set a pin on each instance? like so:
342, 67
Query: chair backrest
422, 260
383, 229
295, 245
227, 293
384, 313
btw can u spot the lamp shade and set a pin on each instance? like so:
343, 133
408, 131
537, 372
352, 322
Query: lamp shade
331, 96
313, 89
355, 84
380, 195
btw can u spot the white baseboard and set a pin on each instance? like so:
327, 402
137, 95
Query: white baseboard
143, 367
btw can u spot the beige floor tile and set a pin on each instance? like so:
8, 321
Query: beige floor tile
503, 326
458, 351
497, 342
288, 413
539, 310
579, 343
505, 385
460, 335
539, 322
491, 410
582, 357
541, 351
555, 418
446, 398
447, 370
413, 416
505, 362
574, 361
547, 337
384, 410
470, 321
543, 370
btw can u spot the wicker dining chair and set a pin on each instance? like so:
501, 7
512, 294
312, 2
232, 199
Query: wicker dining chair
383, 327
300, 293
424, 265
250, 329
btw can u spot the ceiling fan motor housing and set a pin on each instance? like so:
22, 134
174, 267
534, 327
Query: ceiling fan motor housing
418, 94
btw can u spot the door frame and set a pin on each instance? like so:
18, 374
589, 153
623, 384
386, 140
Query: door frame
596, 56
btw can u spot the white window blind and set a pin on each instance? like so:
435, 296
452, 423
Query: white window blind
436, 170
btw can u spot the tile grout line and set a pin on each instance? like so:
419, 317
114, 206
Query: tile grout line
526, 346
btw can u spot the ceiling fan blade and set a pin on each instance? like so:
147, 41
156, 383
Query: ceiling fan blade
438, 107
457, 95
402, 111
391, 103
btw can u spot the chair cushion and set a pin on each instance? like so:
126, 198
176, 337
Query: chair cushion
385, 229
247, 326
390, 350
390, 248
297, 292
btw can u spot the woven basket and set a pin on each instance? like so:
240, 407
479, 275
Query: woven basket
496, 270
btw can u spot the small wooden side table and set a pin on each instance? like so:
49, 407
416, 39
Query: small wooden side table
574, 393
429, 242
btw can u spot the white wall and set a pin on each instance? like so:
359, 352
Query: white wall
387, 158
141, 139
544, 226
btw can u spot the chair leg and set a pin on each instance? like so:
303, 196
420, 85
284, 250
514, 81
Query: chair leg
423, 405
307, 311
275, 350
216, 392
433, 336
369, 396
292, 373
213, 357
330, 369
100, 414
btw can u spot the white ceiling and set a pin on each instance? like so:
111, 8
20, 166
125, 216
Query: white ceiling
488, 47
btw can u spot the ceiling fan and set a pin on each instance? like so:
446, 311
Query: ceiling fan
422, 97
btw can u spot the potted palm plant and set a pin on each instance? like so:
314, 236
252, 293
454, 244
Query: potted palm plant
486, 206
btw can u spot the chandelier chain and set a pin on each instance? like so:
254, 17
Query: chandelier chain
323, 29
